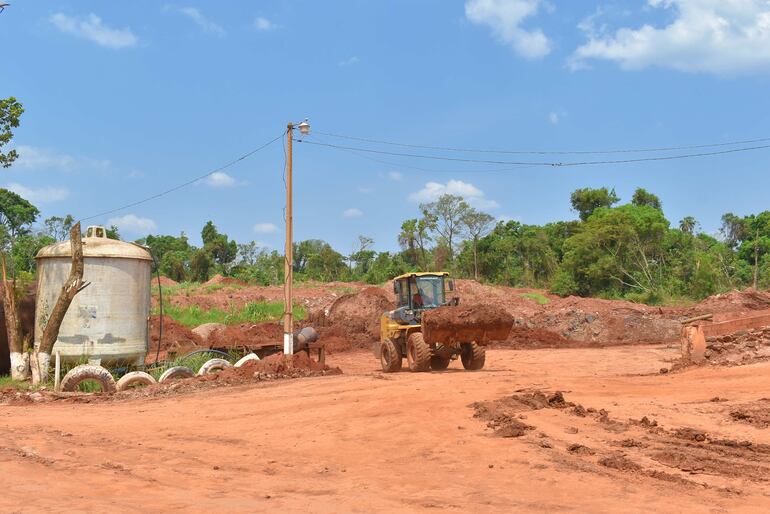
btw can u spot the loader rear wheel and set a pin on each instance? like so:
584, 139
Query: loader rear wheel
438, 363
390, 357
418, 353
473, 356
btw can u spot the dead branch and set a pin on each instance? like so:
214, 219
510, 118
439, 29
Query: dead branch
68, 291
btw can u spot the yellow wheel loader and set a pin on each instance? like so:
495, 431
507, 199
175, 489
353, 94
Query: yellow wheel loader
403, 333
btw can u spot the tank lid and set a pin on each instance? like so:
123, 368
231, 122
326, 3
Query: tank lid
97, 247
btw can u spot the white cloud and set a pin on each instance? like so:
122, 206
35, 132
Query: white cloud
265, 228
554, 118
714, 36
92, 29
208, 26
261, 23
505, 18
472, 194
395, 176
365, 190
219, 179
133, 224
41, 195
352, 213
349, 62
33, 158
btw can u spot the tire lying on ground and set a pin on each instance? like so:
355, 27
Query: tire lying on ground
247, 358
135, 379
213, 366
80, 374
175, 373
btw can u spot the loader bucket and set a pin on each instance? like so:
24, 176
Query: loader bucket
481, 324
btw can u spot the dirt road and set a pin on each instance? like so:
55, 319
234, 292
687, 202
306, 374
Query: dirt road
368, 442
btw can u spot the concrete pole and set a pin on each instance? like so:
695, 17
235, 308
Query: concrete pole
288, 317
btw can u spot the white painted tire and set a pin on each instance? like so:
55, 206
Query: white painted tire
175, 373
135, 379
84, 372
246, 358
213, 366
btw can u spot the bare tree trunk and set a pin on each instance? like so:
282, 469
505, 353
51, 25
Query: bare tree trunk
18, 354
42, 357
475, 261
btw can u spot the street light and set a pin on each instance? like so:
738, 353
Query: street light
288, 307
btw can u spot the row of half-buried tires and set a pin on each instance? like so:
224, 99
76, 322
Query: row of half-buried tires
420, 357
93, 373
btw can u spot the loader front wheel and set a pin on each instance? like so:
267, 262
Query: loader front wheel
473, 356
418, 353
390, 357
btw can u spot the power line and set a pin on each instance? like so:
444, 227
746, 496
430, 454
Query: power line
185, 184
545, 152
546, 164
430, 170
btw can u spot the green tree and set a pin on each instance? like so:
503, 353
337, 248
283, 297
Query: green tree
58, 228
476, 225
200, 266
643, 197
444, 217
619, 250
585, 201
688, 225
10, 113
220, 248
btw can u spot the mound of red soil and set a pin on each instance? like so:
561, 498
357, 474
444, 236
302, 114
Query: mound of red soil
177, 338
165, 281
734, 301
275, 366
246, 335
522, 337
219, 279
352, 320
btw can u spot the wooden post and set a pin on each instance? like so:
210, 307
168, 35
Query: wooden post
288, 315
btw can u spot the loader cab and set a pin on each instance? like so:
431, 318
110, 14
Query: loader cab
422, 291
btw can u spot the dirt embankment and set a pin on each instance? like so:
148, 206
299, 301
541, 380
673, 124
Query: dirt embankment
743, 347
177, 339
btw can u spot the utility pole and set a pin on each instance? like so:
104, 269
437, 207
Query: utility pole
288, 308
288, 266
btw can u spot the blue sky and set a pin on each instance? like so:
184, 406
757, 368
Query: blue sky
126, 99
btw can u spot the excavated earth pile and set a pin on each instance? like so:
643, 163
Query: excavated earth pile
352, 320
177, 339
480, 323
245, 336
606, 321
744, 347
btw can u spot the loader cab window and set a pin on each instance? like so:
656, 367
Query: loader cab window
427, 291
402, 292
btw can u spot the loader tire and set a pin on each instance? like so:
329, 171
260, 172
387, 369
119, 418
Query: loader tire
473, 356
390, 357
84, 372
135, 379
438, 363
418, 353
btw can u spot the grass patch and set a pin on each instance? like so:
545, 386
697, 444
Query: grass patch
537, 297
6, 382
252, 312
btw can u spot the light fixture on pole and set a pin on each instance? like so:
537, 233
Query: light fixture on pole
288, 309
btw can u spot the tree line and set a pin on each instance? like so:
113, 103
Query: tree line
613, 249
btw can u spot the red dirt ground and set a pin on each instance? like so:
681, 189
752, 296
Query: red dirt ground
622, 437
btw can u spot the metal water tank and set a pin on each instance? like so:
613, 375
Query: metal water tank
108, 320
